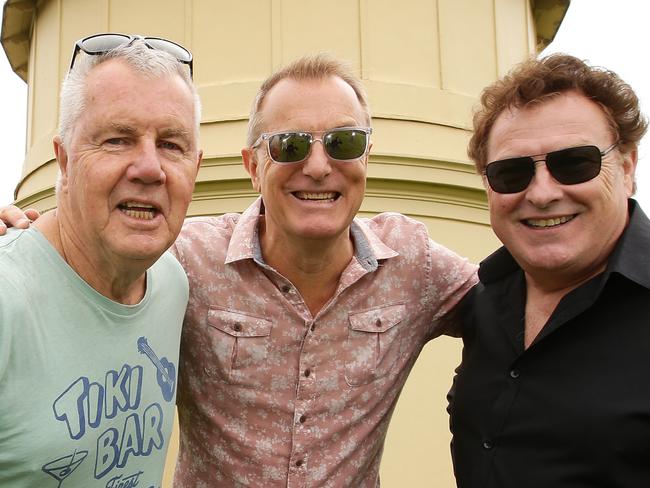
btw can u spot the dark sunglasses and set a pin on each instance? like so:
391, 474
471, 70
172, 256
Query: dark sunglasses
342, 144
568, 166
102, 43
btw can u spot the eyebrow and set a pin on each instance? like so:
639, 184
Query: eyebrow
176, 132
122, 128
166, 132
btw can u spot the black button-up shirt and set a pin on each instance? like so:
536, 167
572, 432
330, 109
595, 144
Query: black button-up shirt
573, 410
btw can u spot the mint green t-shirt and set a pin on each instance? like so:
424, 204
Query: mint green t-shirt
87, 385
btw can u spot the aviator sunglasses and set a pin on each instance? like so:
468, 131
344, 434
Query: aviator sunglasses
102, 43
341, 144
568, 166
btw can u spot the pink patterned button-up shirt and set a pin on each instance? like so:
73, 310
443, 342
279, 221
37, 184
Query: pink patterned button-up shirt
271, 396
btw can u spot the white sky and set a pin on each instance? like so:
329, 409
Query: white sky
605, 33
13, 127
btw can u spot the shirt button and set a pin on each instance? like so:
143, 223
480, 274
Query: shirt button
307, 372
487, 445
313, 327
514, 373
302, 419
237, 327
285, 288
378, 323
299, 462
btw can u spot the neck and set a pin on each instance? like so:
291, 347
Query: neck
314, 266
121, 280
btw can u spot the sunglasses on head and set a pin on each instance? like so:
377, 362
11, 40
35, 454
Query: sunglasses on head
341, 144
568, 166
102, 43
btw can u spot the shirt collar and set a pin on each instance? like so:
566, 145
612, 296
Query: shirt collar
630, 257
245, 241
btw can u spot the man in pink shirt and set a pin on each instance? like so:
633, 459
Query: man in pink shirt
304, 321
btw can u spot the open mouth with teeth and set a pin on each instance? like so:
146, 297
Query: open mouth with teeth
137, 210
549, 222
329, 196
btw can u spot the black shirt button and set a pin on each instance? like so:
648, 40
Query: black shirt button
286, 288
302, 419
514, 373
299, 462
307, 372
237, 327
487, 445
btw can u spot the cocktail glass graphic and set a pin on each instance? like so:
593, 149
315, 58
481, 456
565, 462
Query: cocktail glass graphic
63, 467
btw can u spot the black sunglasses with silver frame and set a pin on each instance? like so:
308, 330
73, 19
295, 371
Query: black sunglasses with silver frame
568, 166
99, 44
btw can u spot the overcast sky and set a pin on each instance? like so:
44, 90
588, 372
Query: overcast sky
606, 33
13, 102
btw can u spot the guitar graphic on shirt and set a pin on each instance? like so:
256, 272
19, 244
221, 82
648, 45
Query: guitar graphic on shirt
166, 371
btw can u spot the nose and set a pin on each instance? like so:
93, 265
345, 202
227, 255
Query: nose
318, 164
543, 188
146, 166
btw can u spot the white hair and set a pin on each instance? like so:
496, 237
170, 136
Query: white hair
150, 62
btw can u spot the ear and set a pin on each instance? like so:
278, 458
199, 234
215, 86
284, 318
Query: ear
251, 166
367, 158
630, 160
199, 159
61, 156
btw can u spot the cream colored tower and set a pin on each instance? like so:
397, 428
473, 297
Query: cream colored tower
423, 62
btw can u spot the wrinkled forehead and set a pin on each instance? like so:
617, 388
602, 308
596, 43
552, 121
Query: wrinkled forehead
115, 91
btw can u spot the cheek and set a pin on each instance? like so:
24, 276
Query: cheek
97, 177
356, 174
274, 176
185, 180
180, 179
611, 188
502, 209
262, 176
609, 179
497, 202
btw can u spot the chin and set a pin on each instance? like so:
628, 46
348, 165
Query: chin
319, 233
143, 249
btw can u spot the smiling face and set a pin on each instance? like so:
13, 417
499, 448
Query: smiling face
319, 197
564, 233
128, 172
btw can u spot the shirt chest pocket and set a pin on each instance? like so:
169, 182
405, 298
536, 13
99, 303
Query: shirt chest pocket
240, 345
373, 344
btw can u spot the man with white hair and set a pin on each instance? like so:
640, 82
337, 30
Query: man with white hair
91, 306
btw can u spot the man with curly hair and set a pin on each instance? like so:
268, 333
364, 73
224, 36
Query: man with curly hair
556, 336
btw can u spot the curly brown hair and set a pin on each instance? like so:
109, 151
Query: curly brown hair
537, 80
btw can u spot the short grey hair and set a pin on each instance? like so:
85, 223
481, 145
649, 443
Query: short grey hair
151, 62
312, 67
